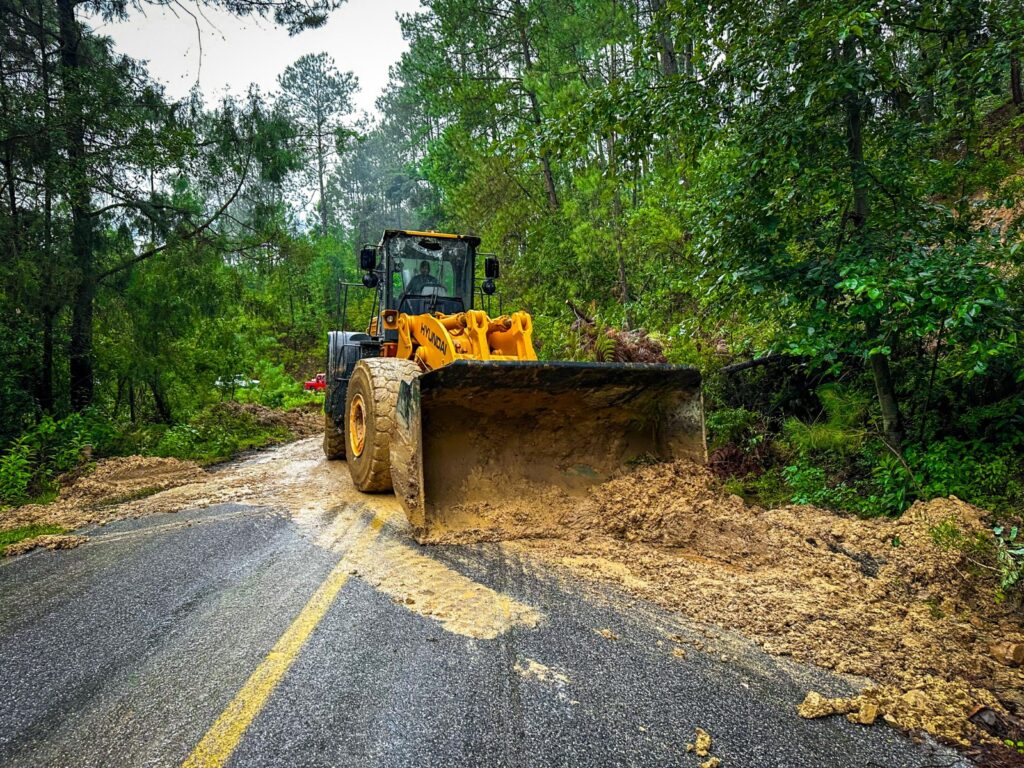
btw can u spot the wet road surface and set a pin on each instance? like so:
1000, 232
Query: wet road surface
241, 635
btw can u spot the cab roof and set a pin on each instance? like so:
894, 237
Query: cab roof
471, 239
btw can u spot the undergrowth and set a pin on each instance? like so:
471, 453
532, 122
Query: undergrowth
31, 465
835, 458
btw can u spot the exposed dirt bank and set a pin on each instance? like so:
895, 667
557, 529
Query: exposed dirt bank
300, 422
98, 495
95, 497
890, 600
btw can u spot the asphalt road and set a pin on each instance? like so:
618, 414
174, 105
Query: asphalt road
236, 635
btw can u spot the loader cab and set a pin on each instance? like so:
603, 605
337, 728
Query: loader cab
427, 272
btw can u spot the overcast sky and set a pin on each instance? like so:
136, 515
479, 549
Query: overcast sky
229, 53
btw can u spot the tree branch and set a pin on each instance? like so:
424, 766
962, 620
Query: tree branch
188, 236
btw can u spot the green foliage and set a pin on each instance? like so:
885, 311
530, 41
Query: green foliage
14, 535
33, 461
810, 485
15, 474
978, 472
215, 434
822, 437
276, 389
767, 489
841, 432
730, 426
1018, 745
1009, 555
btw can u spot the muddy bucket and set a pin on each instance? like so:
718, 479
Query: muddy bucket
476, 432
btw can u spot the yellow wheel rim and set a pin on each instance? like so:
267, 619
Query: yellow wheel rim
357, 426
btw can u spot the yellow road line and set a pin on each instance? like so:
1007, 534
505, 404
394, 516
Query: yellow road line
220, 741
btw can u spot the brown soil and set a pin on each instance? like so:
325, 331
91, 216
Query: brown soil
300, 422
874, 598
95, 497
48, 541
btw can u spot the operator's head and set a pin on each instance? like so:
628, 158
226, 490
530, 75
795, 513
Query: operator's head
424, 267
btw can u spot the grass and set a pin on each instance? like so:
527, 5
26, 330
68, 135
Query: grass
14, 535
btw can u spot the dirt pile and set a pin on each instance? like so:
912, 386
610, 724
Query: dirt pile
93, 498
674, 505
48, 541
300, 422
890, 600
940, 707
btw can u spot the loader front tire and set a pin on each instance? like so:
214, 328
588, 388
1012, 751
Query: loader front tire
334, 439
370, 419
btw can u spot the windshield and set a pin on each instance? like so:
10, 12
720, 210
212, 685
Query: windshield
430, 274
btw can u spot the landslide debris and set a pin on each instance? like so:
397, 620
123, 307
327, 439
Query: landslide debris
300, 422
890, 600
940, 707
105, 491
46, 541
95, 497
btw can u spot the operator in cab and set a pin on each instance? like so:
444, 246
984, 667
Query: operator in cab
423, 280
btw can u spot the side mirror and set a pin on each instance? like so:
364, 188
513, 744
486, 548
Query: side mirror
368, 259
488, 286
370, 280
491, 268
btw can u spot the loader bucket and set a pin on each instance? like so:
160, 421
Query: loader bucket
476, 431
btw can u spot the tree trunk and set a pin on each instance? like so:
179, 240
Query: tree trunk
120, 396
163, 408
666, 47
1016, 89
892, 422
80, 350
79, 199
545, 160
45, 390
320, 163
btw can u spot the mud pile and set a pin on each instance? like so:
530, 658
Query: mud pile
46, 541
889, 600
300, 422
93, 498
676, 505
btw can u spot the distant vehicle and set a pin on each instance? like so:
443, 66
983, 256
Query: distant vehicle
318, 383
236, 382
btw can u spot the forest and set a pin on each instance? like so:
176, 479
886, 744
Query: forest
817, 204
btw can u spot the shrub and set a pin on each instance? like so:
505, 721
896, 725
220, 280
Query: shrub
809, 485
50, 448
840, 432
822, 437
15, 474
730, 425
216, 433
276, 389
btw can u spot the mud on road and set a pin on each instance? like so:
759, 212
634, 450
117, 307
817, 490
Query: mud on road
887, 600
877, 599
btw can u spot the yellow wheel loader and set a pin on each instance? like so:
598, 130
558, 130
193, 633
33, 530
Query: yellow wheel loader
450, 406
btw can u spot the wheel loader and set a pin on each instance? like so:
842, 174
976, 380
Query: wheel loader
450, 406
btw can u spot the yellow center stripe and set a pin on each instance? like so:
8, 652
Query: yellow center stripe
220, 741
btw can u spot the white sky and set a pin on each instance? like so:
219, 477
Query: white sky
362, 36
